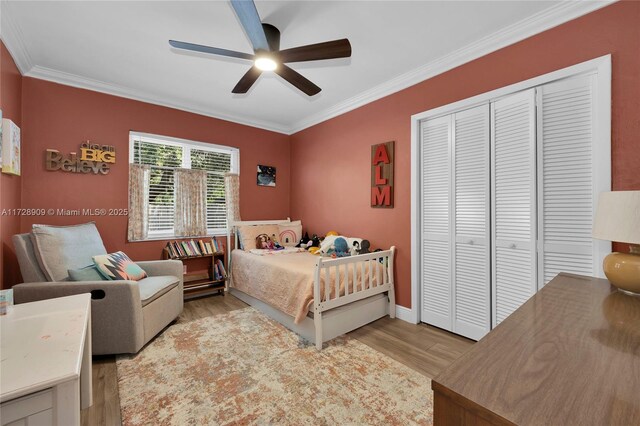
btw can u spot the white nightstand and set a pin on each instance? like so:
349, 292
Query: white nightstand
45, 369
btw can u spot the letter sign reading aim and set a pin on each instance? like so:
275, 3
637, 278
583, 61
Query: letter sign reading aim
382, 175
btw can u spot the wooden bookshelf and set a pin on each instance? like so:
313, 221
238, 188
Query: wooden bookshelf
203, 281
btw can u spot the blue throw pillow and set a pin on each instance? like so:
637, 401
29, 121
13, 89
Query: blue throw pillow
88, 273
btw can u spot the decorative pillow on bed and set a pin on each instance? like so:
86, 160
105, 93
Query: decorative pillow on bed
248, 234
118, 266
290, 233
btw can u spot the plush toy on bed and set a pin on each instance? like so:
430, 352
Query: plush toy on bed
355, 248
340, 247
304, 241
264, 242
365, 245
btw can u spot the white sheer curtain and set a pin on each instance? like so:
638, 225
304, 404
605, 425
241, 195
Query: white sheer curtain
138, 224
191, 203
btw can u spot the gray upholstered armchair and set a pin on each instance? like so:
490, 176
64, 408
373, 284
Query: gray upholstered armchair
125, 315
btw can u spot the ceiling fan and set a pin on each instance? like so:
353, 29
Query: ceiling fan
267, 56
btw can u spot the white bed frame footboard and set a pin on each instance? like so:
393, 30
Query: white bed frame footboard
369, 297
371, 282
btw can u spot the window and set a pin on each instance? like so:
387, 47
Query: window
164, 155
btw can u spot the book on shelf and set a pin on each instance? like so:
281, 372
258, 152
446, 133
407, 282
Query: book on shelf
220, 265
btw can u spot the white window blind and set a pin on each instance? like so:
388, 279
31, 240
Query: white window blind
165, 155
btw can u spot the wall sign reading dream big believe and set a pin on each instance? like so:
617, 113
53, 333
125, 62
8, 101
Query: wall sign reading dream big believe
93, 158
382, 156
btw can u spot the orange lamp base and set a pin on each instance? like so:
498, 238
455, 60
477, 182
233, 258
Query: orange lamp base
623, 271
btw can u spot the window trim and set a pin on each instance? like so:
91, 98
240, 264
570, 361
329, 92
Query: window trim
189, 144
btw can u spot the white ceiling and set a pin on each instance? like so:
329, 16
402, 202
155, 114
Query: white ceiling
121, 48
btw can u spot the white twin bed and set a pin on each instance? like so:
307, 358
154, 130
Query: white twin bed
317, 297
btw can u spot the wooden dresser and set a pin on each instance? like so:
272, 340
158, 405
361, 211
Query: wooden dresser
569, 356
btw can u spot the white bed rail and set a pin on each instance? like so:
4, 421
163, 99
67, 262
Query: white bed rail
362, 276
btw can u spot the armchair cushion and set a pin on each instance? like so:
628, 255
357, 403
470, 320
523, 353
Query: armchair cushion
153, 287
60, 248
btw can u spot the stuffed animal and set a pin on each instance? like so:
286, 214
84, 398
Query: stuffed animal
275, 245
340, 247
365, 245
332, 233
355, 248
315, 241
264, 242
304, 241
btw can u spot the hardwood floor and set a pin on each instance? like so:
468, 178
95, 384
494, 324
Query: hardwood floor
426, 349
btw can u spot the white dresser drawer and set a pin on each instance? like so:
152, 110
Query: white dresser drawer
31, 410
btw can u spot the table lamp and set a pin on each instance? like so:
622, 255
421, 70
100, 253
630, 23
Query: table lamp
618, 219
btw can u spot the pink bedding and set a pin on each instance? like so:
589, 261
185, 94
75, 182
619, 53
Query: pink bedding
286, 282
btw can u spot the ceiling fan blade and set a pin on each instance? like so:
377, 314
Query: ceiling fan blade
247, 80
313, 52
297, 80
250, 20
211, 50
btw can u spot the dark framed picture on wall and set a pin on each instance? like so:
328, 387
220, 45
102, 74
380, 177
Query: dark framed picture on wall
266, 176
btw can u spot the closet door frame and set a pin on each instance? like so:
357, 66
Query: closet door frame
601, 66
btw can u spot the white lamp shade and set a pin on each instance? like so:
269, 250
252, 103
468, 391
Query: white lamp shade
618, 217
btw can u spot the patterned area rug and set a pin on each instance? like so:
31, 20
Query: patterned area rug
244, 368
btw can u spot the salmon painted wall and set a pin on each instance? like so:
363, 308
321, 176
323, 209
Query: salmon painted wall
62, 117
330, 162
10, 185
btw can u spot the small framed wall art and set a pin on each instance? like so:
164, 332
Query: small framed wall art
10, 147
266, 176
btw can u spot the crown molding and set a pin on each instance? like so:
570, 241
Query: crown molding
551, 17
535, 24
73, 80
11, 36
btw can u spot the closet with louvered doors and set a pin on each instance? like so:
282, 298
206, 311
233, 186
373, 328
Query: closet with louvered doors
508, 190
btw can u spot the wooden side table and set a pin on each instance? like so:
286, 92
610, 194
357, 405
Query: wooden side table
46, 361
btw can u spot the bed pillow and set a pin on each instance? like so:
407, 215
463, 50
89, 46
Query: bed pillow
118, 266
289, 234
248, 233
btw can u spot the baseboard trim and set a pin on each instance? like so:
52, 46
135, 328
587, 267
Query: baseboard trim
406, 314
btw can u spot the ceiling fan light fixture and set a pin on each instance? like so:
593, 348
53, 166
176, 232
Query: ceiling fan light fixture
265, 64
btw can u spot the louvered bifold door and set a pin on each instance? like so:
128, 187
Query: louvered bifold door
566, 178
471, 278
513, 194
435, 223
